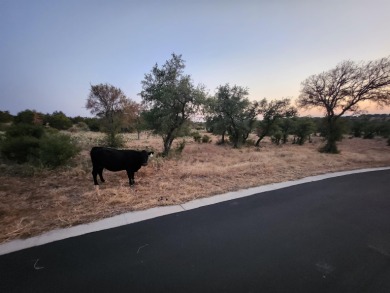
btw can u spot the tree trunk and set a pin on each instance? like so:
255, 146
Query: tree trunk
167, 144
260, 139
331, 138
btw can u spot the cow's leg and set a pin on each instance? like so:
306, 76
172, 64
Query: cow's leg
101, 174
130, 174
94, 175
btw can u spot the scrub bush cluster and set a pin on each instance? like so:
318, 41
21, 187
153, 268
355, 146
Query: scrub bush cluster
32, 144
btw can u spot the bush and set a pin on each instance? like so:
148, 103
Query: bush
32, 144
25, 130
206, 139
4, 126
180, 147
80, 126
58, 120
56, 150
21, 149
250, 142
276, 137
113, 140
196, 136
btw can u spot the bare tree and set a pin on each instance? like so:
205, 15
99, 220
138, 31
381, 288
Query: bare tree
343, 89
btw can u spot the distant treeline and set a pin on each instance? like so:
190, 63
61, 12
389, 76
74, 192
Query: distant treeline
57, 120
365, 125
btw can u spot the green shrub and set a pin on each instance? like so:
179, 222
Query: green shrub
32, 144
250, 142
113, 140
196, 136
21, 149
55, 150
25, 130
206, 138
4, 126
276, 137
180, 147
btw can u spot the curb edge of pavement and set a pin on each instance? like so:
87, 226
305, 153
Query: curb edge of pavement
138, 216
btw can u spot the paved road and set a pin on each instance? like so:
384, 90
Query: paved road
326, 236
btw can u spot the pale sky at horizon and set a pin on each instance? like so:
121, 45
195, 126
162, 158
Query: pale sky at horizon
53, 50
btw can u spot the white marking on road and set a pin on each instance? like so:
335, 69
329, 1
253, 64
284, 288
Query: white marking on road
36, 267
139, 248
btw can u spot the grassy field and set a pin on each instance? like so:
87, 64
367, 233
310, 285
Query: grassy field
33, 204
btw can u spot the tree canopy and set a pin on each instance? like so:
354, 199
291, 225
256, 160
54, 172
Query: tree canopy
231, 112
272, 111
112, 105
343, 89
170, 99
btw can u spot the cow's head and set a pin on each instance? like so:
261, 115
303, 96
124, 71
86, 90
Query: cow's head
145, 157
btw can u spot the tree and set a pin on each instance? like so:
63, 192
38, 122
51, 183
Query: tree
170, 99
109, 103
343, 89
286, 126
229, 111
273, 111
216, 125
133, 117
304, 127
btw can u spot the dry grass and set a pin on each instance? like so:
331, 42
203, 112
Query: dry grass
52, 199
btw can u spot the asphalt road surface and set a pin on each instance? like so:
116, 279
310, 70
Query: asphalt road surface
327, 236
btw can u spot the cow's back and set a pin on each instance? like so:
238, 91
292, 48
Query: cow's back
108, 158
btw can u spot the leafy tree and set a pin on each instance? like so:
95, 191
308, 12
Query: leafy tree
272, 111
286, 126
170, 99
216, 125
343, 89
303, 128
229, 111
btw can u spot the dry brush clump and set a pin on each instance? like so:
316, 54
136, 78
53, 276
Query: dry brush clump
46, 200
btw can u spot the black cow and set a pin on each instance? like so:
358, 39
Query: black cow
117, 160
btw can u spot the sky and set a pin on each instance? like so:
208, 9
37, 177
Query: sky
52, 51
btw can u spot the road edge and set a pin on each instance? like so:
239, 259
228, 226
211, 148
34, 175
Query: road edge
138, 216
